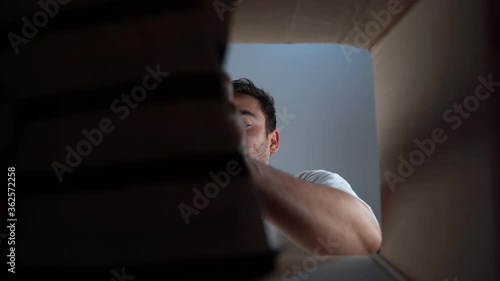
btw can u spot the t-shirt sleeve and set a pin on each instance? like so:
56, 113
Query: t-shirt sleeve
331, 180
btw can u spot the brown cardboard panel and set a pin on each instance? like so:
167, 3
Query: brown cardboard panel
106, 55
317, 21
348, 268
6, 117
140, 224
440, 221
494, 28
12, 12
148, 132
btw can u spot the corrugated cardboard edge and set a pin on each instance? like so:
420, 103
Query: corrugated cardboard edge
388, 267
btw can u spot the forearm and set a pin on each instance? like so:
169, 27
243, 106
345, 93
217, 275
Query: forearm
306, 212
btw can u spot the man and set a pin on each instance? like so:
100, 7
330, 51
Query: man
314, 205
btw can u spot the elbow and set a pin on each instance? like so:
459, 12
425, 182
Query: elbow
372, 243
364, 246
365, 243
368, 239
370, 234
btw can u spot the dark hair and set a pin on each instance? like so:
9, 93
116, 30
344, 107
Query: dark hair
246, 87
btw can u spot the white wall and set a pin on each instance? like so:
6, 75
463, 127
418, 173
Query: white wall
332, 100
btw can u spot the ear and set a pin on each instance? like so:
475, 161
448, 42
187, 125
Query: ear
274, 141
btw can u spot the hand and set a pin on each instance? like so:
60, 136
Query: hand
237, 124
235, 121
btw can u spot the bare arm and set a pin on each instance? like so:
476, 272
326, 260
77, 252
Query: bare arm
307, 212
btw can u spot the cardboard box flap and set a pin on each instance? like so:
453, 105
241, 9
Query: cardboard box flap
358, 23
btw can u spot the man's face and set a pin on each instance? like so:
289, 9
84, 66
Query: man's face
260, 145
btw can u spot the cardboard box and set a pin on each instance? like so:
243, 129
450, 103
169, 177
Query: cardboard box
124, 150
439, 221
92, 44
439, 218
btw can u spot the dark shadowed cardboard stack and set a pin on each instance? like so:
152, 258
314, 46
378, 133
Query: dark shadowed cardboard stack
126, 160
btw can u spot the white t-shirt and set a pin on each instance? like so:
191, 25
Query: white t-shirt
274, 236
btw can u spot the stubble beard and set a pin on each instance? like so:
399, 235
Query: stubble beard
258, 151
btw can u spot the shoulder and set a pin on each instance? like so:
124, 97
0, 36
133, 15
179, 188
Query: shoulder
317, 175
326, 178
332, 180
